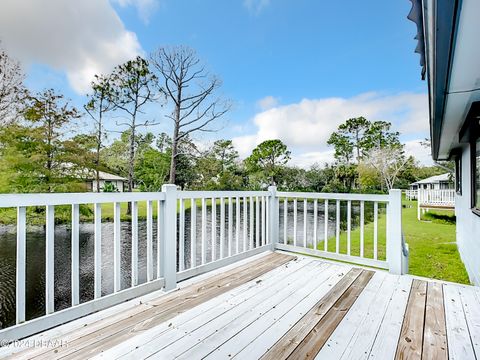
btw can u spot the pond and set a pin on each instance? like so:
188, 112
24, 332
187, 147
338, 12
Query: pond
35, 268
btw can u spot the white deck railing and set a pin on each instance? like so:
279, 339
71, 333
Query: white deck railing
442, 198
411, 194
219, 228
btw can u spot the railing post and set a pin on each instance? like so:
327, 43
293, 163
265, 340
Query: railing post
273, 218
170, 237
394, 232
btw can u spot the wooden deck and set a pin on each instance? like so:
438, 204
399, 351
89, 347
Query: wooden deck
277, 306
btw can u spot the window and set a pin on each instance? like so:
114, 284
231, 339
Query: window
458, 174
476, 174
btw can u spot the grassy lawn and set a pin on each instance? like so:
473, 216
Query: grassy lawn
433, 251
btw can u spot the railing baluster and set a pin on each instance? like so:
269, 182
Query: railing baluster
21, 264
285, 220
267, 220
135, 243
237, 225
204, 231
214, 229
251, 245
264, 222
349, 226
245, 221
295, 222
97, 258
337, 229
305, 213
160, 240
75, 255
116, 247
230, 226
325, 241
181, 237
375, 230
149, 241
315, 223
222, 227
362, 228
193, 233
49, 260
257, 221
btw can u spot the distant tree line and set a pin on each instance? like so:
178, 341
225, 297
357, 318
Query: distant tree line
48, 145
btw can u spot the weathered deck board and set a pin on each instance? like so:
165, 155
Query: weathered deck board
287, 344
434, 335
411, 336
354, 336
195, 343
264, 341
460, 346
240, 332
275, 308
208, 311
471, 306
385, 343
159, 310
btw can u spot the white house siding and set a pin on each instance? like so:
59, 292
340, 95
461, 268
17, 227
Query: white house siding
468, 224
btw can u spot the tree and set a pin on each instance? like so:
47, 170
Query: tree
349, 138
12, 89
268, 158
217, 168
99, 103
49, 114
151, 169
357, 136
191, 89
132, 87
388, 162
116, 156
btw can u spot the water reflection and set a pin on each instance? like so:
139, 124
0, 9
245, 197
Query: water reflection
35, 270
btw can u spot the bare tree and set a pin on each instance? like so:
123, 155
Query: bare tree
132, 87
12, 90
192, 90
99, 103
388, 162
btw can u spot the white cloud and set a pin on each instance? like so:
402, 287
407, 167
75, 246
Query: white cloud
145, 8
267, 103
255, 7
419, 152
305, 160
306, 126
81, 38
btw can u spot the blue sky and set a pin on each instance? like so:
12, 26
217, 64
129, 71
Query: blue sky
293, 69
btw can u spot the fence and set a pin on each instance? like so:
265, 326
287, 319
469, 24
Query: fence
430, 198
411, 194
222, 227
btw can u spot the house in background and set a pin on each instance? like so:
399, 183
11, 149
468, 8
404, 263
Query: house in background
105, 179
448, 44
437, 182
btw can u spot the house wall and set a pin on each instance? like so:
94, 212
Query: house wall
468, 223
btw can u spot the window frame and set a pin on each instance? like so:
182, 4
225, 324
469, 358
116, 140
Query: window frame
473, 168
458, 173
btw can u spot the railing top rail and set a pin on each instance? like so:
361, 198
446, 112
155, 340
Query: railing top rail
219, 194
334, 196
44, 199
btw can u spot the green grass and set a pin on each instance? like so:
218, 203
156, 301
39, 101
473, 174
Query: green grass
433, 250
